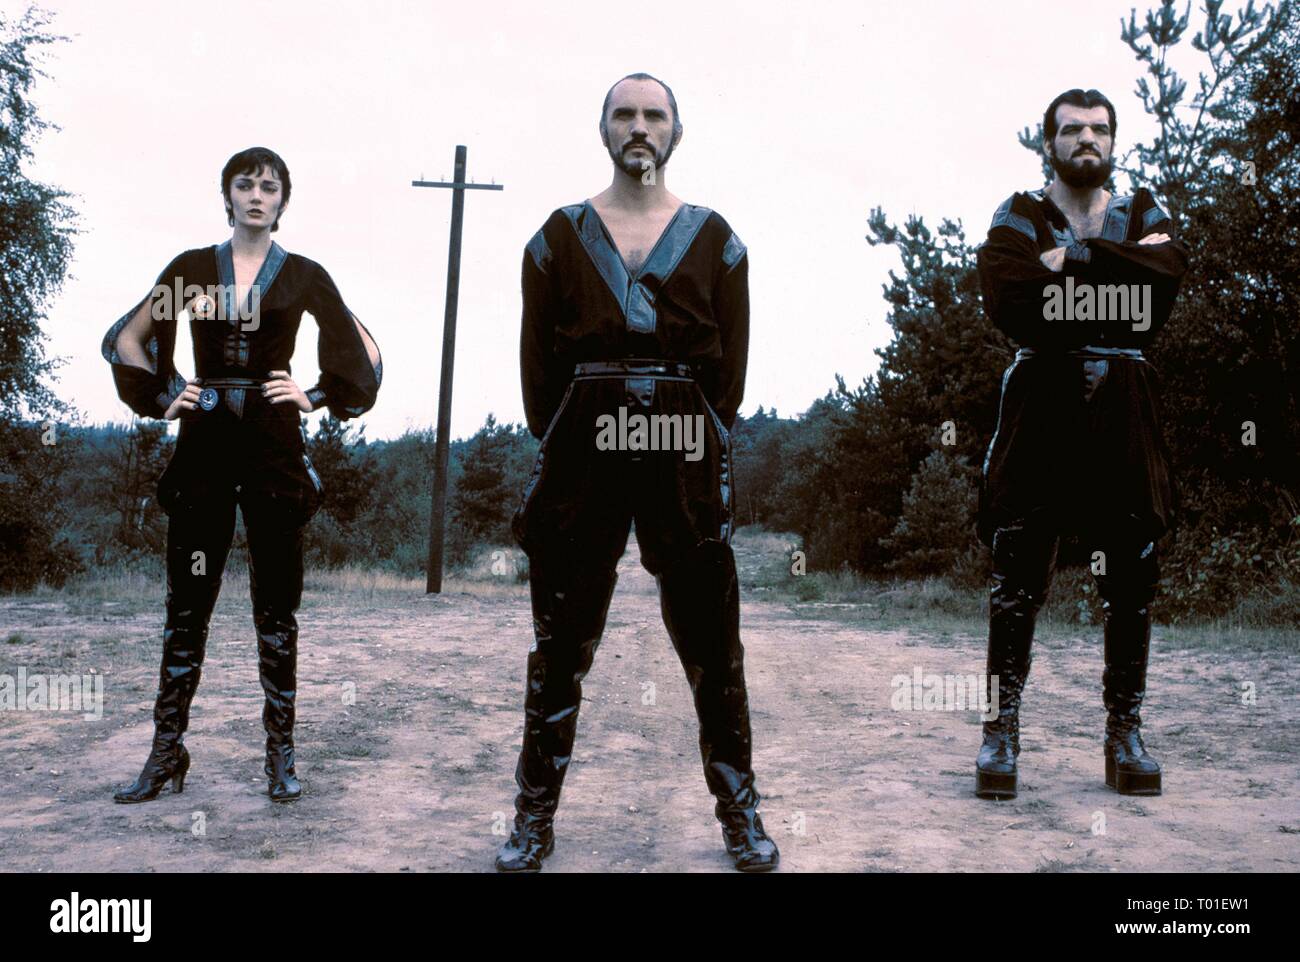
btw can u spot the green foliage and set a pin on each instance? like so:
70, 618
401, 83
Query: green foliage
855, 455
934, 533
859, 477
395, 524
348, 477
35, 227
495, 464
764, 447
137, 461
35, 246
1230, 355
31, 516
864, 494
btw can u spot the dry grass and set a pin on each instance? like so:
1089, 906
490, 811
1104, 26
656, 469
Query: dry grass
764, 561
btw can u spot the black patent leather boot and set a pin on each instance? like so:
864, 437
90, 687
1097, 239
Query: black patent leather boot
276, 577
282, 780
277, 659
995, 766
184, 641
750, 847
570, 605
1009, 654
1129, 769
531, 841
1022, 565
699, 596
168, 762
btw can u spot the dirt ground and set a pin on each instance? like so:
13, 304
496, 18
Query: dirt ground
417, 774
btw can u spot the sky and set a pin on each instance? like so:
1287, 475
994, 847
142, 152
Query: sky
798, 120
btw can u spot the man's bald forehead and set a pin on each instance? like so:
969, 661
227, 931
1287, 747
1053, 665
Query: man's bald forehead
621, 90
642, 78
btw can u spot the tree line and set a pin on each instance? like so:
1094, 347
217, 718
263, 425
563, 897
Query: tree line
880, 478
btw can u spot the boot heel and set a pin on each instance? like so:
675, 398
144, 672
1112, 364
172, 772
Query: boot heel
995, 767
1130, 782
162, 767
1137, 783
182, 767
282, 784
995, 784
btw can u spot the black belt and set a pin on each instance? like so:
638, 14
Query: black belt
225, 382
635, 367
234, 388
1090, 352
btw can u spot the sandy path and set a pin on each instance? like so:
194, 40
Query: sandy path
418, 774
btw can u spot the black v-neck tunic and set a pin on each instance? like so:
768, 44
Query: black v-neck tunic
688, 302
1078, 435
245, 444
230, 346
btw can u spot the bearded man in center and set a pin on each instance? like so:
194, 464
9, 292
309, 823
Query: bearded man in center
635, 306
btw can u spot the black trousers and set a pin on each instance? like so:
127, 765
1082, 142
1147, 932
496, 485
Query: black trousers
217, 467
574, 523
1125, 567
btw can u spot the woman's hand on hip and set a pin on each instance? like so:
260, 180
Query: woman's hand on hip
187, 400
281, 388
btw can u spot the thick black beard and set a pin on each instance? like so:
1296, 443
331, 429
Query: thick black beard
633, 166
1079, 176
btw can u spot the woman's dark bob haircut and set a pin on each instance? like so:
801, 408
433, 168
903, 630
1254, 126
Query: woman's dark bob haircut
252, 161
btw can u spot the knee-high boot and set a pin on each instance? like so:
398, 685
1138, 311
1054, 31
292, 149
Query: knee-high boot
277, 661
1127, 604
190, 600
700, 599
182, 661
569, 610
1022, 569
275, 575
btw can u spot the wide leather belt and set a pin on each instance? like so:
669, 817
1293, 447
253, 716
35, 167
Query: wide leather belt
232, 387
638, 375
1090, 352
635, 367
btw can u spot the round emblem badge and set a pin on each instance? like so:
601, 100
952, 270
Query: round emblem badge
207, 399
204, 308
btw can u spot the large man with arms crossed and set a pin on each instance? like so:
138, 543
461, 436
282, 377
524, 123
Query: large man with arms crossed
635, 300
1078, 447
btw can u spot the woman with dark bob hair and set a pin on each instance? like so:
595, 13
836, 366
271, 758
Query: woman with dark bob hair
241, 442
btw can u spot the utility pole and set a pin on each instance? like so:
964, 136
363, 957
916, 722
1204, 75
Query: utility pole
438, 510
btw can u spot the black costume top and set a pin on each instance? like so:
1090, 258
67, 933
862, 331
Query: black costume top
1078, 432
240, 441
689, 302
227, 346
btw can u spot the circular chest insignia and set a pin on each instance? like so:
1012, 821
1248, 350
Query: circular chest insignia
204, 308
208, 399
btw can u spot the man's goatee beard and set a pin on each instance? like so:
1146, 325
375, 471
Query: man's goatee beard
634, 167
1082, 177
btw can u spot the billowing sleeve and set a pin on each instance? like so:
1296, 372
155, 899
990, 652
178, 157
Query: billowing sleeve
149, 393
349, 382
1014, 282
1157, 270
731, 311
543, 381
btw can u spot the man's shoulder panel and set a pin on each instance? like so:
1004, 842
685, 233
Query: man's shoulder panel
1017, 213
